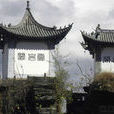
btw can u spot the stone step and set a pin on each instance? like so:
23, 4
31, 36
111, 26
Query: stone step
43, 90
47, 111
47, 98
39, 79
43, 93
43, 85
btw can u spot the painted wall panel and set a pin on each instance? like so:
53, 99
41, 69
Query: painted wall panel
31, 68
26, 67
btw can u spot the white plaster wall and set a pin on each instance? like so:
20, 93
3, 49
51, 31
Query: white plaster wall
24, 68
31, 68
11, 58
107, 66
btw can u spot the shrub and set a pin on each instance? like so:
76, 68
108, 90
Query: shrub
104, 81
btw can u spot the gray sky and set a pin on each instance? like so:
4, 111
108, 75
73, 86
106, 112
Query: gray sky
85, 14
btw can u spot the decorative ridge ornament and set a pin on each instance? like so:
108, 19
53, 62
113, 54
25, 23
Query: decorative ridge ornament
98, 29
28, 5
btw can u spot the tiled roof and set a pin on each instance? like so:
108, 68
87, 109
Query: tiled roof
29, 28
105, 36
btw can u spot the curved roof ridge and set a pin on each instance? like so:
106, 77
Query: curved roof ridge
107, 30
28, 19
29, 28
105, 36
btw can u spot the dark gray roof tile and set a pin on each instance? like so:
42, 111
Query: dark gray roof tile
29, 28
104, 36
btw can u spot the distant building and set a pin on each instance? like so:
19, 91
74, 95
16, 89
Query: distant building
26, 47
101, 45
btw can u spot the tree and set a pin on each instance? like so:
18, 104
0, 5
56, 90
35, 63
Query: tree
86, 77
61, 76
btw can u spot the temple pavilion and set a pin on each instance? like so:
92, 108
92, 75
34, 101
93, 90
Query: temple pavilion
100, 44
26, 47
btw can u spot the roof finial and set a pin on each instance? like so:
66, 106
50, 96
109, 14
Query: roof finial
98, 29
28, 5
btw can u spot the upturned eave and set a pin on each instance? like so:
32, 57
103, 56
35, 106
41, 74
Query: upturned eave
30, 29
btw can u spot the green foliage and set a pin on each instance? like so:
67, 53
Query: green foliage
60, 85
61, 91
26, 96
15, 96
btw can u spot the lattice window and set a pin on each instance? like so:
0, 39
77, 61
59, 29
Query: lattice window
106, 59
32, 57
41, 57
21, 56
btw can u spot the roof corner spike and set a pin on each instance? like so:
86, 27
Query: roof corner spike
28, 5
70, 25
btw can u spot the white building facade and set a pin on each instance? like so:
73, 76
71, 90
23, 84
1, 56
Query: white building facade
101, 46
26, 47
27, 59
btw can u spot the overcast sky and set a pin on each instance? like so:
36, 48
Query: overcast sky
85, 14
